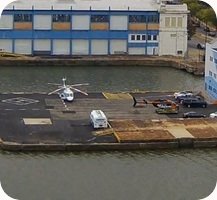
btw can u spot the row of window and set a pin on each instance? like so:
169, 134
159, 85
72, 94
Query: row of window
212, 89
213, 59
142, 37
94, 18
212, 74
172, 22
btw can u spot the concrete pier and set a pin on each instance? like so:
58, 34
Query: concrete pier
38, 122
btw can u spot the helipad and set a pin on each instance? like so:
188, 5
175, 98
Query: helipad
20, 101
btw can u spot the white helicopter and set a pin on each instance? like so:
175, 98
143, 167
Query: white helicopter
67, 93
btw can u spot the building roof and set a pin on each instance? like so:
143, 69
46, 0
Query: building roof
135, 5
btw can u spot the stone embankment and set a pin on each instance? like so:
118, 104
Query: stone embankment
188, 65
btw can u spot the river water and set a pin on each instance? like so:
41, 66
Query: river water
184, 174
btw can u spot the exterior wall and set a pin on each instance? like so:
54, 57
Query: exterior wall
173, 31
91, 32
211, 70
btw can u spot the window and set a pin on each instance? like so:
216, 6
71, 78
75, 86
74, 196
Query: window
138, 37
173, 22
179, 21
137, 18
149, 37
133, 37
143, 37
211, 58
23, 18
61, 18
210, 73
167, 21
153, 19
154, 37
215, 61
99, 18
210, 87
214, 75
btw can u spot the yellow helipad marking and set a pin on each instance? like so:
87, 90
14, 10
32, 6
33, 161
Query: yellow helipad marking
179, 132
37, 121
117, 96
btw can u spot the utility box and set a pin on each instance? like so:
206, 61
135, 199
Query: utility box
98, 119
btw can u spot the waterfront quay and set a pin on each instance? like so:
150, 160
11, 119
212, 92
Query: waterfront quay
189, 65
40, 122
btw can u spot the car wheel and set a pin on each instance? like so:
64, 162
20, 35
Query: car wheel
188, 105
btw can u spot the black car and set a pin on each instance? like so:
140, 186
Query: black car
196, 103
193, 115
200, 46
212, 34
181, 98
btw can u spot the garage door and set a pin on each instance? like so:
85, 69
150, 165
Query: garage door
80, 47
6, 45
42, 47
118, 46
23, 46
61, 47
136, 51
99, 47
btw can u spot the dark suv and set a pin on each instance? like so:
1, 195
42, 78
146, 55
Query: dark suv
194, 103
191, 97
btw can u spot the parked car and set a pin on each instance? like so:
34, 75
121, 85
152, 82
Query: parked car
213, 115
194, 103
212, 33
167, 110
206, 28
182, 94
181, 98
196, 23
193, 114
200, 46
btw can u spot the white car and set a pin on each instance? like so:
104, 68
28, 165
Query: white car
182, 94
213, 115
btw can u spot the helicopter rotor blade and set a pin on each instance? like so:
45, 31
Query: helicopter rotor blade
78, 90
55, 91
79, 84
54, 84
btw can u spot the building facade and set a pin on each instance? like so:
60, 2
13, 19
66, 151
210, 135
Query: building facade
211, 70
79, 27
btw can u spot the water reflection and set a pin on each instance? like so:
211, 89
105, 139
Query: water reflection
35, 79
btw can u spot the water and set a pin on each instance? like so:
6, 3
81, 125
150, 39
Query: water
139, 175
36, 79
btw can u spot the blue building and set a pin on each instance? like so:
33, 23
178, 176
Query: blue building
102, 27
211, 69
